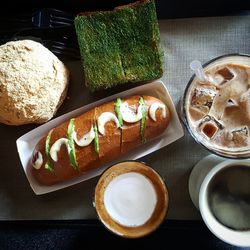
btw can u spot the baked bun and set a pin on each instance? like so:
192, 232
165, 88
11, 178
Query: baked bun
33, 83
102, 134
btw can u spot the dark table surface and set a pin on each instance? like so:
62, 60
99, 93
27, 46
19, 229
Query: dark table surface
165, 8
90, 234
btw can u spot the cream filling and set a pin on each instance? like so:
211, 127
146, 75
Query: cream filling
103, 119
154, 107
129, 115
86, 139
38, 162
55, 148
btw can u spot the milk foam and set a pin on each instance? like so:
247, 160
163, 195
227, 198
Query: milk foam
130, 199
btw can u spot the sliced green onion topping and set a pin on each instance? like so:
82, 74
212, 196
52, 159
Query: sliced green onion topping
49, 164
71, 144
143, 120
96, 139
118, 111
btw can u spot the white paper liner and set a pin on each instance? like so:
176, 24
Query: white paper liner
174, 131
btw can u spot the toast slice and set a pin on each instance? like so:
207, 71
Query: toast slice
120, 46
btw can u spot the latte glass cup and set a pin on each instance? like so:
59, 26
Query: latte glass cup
131, 199
216, 110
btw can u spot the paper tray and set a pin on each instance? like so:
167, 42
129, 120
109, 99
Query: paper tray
174, 131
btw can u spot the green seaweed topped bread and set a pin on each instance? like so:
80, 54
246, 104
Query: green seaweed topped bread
120, 46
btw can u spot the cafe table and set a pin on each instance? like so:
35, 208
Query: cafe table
66, 219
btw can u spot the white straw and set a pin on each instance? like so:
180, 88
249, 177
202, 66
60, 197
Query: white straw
196, 66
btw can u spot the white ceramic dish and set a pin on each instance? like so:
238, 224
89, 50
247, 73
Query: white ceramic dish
27, 142
198, 174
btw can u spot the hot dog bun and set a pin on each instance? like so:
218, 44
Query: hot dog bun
108, 131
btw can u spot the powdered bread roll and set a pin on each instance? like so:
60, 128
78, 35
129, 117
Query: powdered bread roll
33, 83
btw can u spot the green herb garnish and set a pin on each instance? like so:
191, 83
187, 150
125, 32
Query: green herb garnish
71, 144
118, 111
96, 139
49, 164
143, 119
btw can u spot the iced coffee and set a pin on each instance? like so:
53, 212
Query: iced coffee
217, 108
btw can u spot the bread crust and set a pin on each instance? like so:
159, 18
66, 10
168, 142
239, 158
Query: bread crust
115, 141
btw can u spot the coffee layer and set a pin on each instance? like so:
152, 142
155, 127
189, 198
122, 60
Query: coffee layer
229, 197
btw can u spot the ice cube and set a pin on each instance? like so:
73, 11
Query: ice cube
220, 76
198, 113
203, 98
240, 136
209, 126
209, 129
225, 74
217, 79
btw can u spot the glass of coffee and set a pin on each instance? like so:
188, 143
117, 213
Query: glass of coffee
216, 109
131, 199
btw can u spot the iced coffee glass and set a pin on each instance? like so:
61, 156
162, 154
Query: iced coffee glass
216, 109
